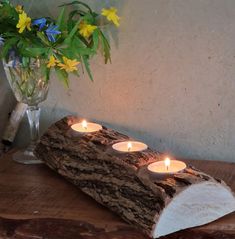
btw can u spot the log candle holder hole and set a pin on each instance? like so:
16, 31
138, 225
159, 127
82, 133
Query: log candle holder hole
166, 167
86, 127
129, 146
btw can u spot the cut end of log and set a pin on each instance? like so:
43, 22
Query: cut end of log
197, 205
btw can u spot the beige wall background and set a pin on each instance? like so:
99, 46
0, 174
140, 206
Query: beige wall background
171, 83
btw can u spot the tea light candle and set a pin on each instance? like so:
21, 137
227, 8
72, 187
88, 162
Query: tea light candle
129, 146
86, 127
167, 167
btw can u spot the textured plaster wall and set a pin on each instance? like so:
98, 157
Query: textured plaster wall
172, 78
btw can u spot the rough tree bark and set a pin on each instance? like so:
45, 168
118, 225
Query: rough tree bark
120, 181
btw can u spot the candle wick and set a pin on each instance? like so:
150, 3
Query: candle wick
129, 146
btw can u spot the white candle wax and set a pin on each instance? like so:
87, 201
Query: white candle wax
129, 146
167, 167
86, 127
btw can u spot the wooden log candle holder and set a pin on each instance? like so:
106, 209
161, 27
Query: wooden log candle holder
121, 182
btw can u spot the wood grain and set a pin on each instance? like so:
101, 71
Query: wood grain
121, 182
37, 203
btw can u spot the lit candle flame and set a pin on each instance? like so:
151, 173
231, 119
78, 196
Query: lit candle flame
167, 162
129, 146
84, 124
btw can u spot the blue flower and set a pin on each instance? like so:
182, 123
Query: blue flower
41, 22
51, 32
12, 54
1, 41
14, 60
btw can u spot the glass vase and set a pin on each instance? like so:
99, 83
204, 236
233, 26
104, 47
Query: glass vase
30, 86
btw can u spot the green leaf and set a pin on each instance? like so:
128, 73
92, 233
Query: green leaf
72, 33
36, 51
8, 12
79, 43
8, 45
70, 24
46, 71
68, 52
61, 20
22, 43
78, 3
88, 18
85, 60
25, 61
95, 38
63, 76
76, 12
49, 52
43, 38
106, 48
75, 48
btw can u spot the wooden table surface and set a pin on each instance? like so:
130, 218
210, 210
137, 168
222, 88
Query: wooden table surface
37, 203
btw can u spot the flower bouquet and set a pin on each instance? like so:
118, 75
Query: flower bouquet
31, 48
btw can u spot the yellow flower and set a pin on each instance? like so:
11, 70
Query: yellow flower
52, 62
110, 14
19, 8
24, 21
86, 29
69, 65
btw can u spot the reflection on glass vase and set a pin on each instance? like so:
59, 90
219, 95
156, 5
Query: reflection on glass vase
30, 86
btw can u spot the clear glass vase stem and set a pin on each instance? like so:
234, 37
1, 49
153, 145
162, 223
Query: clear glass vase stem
33, 113
27, 156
